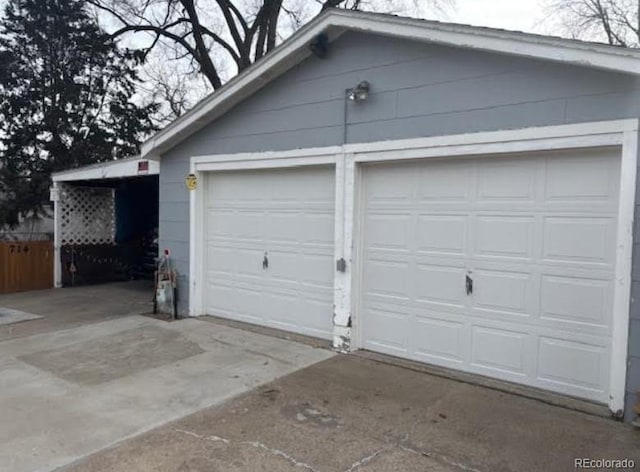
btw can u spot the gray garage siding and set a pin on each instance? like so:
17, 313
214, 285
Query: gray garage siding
417, 90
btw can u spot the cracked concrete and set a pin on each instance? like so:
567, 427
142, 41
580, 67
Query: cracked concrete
256, 444
384, 418
365, 460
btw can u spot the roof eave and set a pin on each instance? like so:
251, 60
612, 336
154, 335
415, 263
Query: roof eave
117, 169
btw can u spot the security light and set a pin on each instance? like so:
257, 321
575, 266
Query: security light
360, 93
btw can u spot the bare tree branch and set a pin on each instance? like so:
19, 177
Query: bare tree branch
615, 21
200, 36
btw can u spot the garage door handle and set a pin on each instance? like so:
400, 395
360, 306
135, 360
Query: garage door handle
469, 285
265, 261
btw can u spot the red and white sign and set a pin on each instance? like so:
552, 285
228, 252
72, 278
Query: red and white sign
143, 167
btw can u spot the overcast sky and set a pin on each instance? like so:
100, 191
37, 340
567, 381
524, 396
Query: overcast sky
520, 15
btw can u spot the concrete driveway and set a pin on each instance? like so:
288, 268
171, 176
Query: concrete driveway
350, 414
92, 373
93, 386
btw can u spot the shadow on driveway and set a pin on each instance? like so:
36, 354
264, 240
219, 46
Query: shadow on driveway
74, 306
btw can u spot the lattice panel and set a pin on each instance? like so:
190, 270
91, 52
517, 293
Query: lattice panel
87, 215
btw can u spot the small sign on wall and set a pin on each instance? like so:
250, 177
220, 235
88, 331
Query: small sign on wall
143, 167
54, 194
191, 181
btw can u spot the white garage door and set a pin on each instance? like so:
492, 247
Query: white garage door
534, 234
269, 248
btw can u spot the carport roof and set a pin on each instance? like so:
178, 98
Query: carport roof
121, 168
334, 22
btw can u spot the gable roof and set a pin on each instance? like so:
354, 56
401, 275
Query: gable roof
334, 22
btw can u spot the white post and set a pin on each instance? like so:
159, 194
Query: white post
56, 197
345, 173
196, 243
624, 252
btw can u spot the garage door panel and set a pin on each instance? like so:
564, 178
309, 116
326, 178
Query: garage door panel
572, 363
225, 257
536, 233
498, 349
381, 331
219, 222
317, 270
286, 214
441, 285
585, 179
240, 224
579, 240
509, 292
384, 193
317, 228
386, 279
441, 233
283, 267
507, 181
444, 182
248, 262
504, 236
388, 231
314, 315
576, 300
245, 299
283, 227
283, 307
314, 293
439, 339
221, 298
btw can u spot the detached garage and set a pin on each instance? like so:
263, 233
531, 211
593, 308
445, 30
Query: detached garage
458, 196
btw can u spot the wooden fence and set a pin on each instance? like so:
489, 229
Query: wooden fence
26, 265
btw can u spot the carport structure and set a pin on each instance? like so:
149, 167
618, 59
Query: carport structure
105, 222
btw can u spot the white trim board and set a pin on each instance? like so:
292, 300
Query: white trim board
108, 170
621, 133
265, 160
334, 22
622, 291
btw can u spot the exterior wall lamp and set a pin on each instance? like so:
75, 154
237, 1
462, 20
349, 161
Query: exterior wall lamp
359, 93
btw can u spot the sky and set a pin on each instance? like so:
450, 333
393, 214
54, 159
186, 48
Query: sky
520, 15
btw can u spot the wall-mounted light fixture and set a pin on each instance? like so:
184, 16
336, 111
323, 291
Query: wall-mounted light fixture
320, 45
359, 93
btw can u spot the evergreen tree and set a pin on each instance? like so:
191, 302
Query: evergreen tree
66, 93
